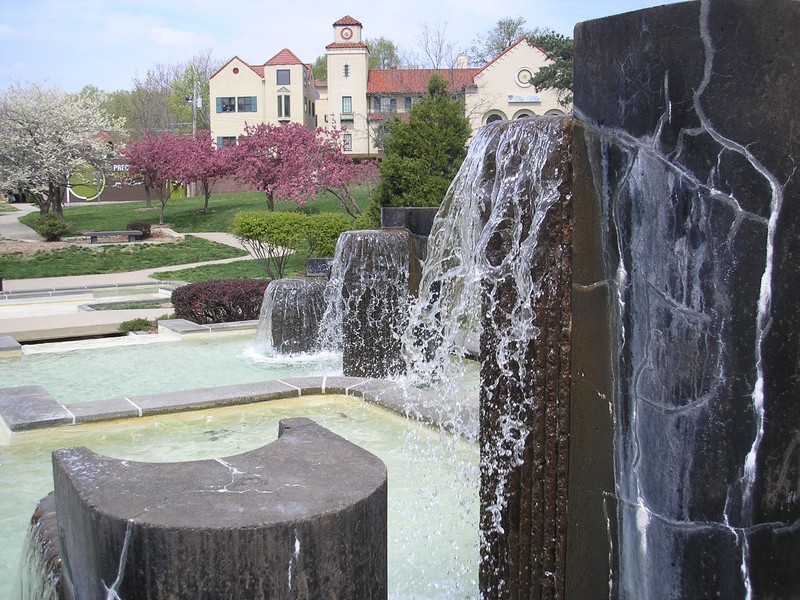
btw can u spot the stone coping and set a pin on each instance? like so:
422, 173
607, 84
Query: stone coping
31, 407
9, 346
87, 289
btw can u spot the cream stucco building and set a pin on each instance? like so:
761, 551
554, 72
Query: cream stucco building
360, 100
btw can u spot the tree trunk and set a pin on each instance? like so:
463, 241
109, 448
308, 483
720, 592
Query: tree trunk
270, 202
43, 201
54, 198
207, 194
147, 199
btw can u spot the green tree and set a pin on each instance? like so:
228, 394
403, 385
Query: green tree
320, 68
271, 236
558, 74
501, 36
383, 53
191, 84
424, 153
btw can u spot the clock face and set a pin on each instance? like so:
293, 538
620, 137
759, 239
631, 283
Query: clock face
347, 33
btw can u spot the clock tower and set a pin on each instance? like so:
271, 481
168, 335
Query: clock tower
348, 70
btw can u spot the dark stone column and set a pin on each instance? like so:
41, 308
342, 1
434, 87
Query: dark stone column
376, 273
525, 368
687, 155
291, 314
302, 517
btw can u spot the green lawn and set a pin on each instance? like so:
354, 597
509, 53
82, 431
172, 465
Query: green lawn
112, 258
182, 215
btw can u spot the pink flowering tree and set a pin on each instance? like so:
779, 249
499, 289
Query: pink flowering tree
293, 163
151, 159
199, 160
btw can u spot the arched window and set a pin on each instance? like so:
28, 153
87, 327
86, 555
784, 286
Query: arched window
492, 116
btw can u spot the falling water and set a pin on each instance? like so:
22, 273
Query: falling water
366, 300
493, 259
290, 316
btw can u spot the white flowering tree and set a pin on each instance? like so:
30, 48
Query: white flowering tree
46, 135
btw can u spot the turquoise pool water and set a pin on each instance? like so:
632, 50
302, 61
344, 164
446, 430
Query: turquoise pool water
100, 369
433, 490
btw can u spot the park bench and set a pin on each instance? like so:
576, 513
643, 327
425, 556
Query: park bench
131, 233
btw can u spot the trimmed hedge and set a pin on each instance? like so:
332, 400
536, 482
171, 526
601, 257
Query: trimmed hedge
219, 301
142, 226
322, 233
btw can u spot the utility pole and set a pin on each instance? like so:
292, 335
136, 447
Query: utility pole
194, 107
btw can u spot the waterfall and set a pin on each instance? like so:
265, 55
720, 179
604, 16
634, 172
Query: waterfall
40, 574
366, 300
498, 271
290, 316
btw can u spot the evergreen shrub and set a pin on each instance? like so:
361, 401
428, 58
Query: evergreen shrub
51, 228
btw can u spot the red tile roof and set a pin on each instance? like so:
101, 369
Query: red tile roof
348, 20
346, 45
284, 57
414, 81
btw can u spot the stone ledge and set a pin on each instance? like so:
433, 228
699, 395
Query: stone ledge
9, 347
32, 407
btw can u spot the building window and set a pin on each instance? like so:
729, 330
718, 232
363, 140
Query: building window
376, 104
284, 106
346, 71
347, 105
493, 118
284, 77
348, 141
393, 105
226, 104
246, 104
408, 103
225, 141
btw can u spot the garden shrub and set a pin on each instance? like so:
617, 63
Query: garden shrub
142, 226
219, 301
322, 232
138, 324
51, 228
271, 236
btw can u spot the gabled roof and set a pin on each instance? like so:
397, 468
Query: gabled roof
284, 57
348, 20
415, 81
520, 40
257, 70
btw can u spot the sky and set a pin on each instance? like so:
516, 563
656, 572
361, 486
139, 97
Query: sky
109, 43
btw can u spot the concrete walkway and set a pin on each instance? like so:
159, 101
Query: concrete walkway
12, 229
